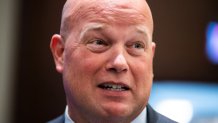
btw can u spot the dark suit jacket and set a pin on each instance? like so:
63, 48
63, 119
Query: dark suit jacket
152, 117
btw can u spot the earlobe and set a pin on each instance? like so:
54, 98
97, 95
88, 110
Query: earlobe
57, 49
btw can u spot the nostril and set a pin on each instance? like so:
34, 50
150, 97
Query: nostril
112, 70
117, 70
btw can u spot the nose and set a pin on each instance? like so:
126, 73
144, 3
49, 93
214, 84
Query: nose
117, 64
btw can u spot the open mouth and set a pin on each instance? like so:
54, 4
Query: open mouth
113, 87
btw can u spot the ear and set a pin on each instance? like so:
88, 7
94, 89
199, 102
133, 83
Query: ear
57, 49
153, 46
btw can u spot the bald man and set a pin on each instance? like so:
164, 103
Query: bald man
105, 53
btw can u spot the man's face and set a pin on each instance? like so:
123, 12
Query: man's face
107, 65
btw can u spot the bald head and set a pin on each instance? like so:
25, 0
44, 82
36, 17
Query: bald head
114, 11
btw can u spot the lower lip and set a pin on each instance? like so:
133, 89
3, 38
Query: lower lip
112, 93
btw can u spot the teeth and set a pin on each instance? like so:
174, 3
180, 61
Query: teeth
113, 87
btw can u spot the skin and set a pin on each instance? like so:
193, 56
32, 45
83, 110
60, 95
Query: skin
107, 41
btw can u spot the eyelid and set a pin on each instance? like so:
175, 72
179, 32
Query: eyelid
140, 42
98, 39
97, 47
136, 51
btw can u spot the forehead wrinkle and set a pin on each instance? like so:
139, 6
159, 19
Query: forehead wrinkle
89, 27
104, 12
76, 11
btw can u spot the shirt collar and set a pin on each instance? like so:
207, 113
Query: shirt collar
141, 118
67, 117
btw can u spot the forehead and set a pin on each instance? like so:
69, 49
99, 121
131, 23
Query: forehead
132, 12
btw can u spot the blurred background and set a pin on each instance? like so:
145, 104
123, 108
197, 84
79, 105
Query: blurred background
185, 65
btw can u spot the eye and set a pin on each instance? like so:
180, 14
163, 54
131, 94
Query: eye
97, 45
136, 48
138, 45
99, 42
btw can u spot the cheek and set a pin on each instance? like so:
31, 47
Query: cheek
143, 68
78, 59
143, 75
78, 73
81, 65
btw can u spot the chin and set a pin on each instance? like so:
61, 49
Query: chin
118, 115
118, 110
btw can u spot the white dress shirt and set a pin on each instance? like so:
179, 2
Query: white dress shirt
142, 117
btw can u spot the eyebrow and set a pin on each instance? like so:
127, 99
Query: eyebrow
142, 29
91, 26
98, 26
